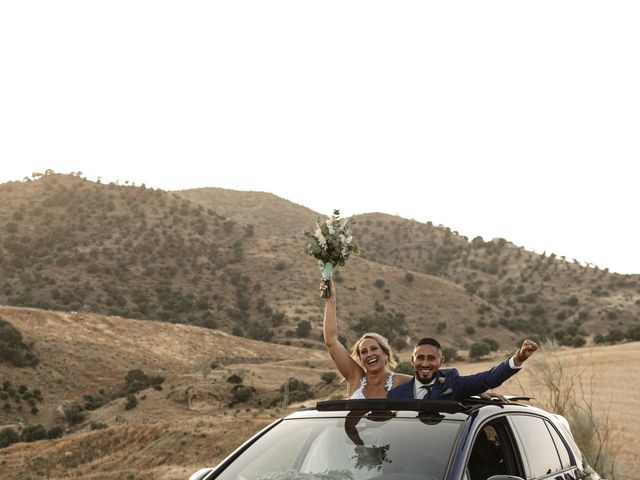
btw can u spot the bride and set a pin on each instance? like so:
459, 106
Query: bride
367, 368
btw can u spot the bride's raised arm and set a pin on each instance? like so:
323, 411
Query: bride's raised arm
346, 365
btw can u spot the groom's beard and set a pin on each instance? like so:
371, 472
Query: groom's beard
425, 380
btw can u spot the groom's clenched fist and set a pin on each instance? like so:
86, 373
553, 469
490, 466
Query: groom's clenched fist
525, 351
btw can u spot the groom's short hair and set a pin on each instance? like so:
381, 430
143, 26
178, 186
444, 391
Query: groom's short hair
429, 341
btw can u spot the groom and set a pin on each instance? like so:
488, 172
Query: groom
430, 382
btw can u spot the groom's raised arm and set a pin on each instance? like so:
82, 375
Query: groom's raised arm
480, 382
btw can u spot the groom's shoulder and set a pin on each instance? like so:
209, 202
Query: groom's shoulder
408, 385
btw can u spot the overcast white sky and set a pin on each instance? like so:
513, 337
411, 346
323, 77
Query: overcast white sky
505, 119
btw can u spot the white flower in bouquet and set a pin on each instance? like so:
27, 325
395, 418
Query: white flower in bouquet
331, 244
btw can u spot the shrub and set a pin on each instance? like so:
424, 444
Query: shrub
633, 333
450, 354
329, 377
405, 367
493, 344
12, 348
31, 433
296, 390
8, 436
241, 394
478, 350
55, 432
277, 318
578, 341
74, 414
93, 403
258, 331
303, 328
615, 335
235, 379
136, 380
132, 402
572, 300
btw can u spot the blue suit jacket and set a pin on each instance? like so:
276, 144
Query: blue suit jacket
456, 386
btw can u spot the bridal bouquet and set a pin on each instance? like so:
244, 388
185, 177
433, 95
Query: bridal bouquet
331, 244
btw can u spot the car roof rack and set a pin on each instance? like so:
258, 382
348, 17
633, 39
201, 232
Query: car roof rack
432, 406
383, 404
475, 399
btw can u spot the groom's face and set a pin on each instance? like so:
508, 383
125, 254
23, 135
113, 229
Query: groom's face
427, 360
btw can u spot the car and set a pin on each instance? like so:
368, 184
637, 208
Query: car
380, 439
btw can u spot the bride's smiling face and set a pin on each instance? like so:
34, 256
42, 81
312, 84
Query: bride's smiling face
372, 356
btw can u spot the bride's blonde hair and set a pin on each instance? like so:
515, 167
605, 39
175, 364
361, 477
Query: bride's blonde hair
384, 345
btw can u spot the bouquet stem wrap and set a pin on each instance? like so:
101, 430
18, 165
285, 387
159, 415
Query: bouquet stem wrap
326, 268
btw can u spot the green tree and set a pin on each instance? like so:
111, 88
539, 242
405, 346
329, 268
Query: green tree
8, 436
478, 350
12, 348
55, 432
450, 354
329, 377
74, 414
492, 343
405, 367
132, 402
298, 390
241, 394
32, 433
303, 328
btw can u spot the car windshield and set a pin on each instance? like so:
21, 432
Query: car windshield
358, 447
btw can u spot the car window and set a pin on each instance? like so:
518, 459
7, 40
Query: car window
352, 448
492, 453
538, 445
565, 456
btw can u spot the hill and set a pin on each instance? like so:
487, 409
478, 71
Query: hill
85, 354
76, 245
233, 261
528, 293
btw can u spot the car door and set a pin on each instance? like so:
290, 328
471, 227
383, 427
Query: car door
494, 452
545, 454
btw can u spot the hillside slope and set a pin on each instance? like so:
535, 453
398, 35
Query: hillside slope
234, 261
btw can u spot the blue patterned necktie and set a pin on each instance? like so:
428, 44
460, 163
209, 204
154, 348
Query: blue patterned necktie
428, 389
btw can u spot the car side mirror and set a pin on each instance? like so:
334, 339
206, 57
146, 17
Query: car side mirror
504, 477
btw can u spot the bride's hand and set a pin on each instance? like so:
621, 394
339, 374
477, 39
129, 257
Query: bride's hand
331, 287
